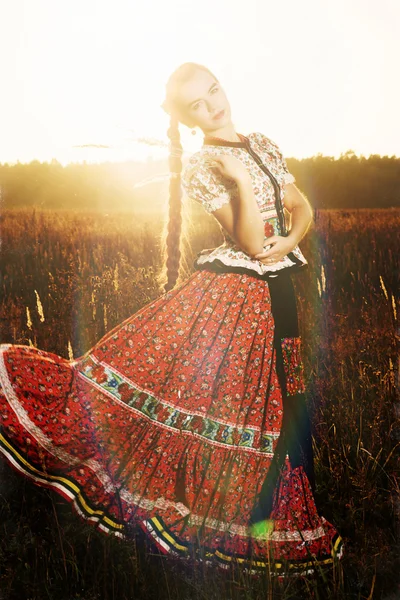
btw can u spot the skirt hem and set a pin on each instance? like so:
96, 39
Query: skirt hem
157, 532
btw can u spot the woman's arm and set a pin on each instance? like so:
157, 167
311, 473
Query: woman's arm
301, 216
243, 220
301, 213
248, 224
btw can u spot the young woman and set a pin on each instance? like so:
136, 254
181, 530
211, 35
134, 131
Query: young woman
189, 419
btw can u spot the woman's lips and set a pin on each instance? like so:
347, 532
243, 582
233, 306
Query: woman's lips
219, 115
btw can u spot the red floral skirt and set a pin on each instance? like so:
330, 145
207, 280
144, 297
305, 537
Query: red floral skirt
169, 423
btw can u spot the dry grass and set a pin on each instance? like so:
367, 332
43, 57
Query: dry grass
67, 279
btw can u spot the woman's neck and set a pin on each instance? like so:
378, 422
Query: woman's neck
224, 133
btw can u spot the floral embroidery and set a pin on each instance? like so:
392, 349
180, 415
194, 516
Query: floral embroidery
157, 410
293, 365
176, 412
209, 188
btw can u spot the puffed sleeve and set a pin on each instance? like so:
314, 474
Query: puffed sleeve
205, 186
272, 148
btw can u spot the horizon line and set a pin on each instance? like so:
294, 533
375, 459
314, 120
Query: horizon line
150, 158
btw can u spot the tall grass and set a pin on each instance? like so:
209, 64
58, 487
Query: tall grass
67, 279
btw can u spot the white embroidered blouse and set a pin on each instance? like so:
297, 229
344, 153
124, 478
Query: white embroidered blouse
212, 190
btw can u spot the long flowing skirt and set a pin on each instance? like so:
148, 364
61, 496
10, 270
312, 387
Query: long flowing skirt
173, 422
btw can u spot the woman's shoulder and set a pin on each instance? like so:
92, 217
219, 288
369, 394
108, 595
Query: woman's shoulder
265, 141
270, 148
196, 165
192, 165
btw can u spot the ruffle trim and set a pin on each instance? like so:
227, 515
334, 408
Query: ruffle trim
163, 537
223, 255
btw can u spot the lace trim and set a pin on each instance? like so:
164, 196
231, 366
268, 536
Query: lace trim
216, 203
225, 255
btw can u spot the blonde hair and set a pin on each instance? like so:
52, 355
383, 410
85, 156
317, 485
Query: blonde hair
172, 106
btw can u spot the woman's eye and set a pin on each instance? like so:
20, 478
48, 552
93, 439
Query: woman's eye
196, 106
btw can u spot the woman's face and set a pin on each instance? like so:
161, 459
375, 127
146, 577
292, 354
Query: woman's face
201, 99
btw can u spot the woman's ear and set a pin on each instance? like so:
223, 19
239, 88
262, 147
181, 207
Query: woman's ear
185, 120
188, 123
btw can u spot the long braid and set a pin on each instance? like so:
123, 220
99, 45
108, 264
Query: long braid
172, 232
173, 250
172, 247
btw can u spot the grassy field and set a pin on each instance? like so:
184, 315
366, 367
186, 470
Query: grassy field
67, 279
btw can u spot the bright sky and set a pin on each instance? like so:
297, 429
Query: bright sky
313, 75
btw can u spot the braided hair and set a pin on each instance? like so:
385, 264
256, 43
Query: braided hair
172, 244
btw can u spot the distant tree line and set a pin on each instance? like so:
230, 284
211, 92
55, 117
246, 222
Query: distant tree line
347, 182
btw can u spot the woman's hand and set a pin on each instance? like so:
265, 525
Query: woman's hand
228, 166
280, 246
